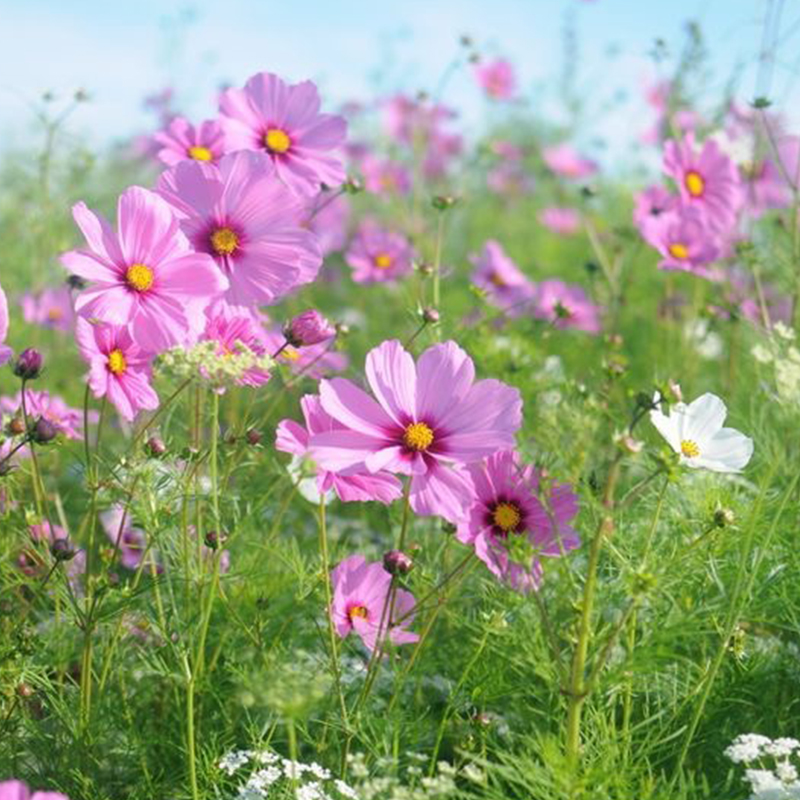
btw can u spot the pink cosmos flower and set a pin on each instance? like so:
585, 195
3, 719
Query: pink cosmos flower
17, 790
708, 180
564, 160
307, 328
66, 420
314, 361
5, 352
384, 176
183, 141
284, 122
510, 526
741, 298
563, 221
118, 368
509, 179
425, 421
361, 592
685, 240
131, 541
145, 275
42, 532
50, 308
234, 327
248, 221
379, 255
496, 78
505, 285
350, 485
566, 305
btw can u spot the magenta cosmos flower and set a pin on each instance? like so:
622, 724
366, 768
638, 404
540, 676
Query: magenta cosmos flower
5, 352
564, 160
17, 790
496, 78
708, 180
284, 121
425, 421
514, 519
130, 541
566, 305
51, 308
563, 221
685, 239
146, 275
379, 255
118, 368
505, 284
649, 205
182, 141
248, 221
384, 176
350, 485
361, 592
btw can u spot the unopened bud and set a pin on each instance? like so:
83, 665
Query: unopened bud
24, 690
442, 202
43, 431
724, 517
214, 539
16, 427
430, 315
396, 562
62, 550
155, 447
253, 436
28, 365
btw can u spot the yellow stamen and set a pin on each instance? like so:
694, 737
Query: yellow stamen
116, 362
224, 241
694, 183
358, 611
506, 516
139, 277
679, 250
200, 153
277, 141
383, 261
496, 280
418, 436
689, 448
290, 354
55, 314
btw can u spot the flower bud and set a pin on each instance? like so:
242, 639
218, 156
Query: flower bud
28, 365
308, 328
430, 315
24, 690
396, 562
214, 539
253, 436
724, 517
155, 447
442, 202
62, 550
43, 431
76, 283
16, 426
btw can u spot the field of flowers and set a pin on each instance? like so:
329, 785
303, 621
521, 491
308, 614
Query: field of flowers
346, 453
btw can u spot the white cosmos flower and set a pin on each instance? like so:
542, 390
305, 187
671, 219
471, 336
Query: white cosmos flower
695, 432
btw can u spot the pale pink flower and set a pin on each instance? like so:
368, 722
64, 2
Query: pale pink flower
496, 78
50, 308
506, 286
183, 141
563, 221
566, 305
379, 255
5, 351
564, 160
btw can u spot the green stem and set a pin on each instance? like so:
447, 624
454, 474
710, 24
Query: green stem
190, 734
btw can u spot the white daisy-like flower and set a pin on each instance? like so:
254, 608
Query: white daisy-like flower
695, 432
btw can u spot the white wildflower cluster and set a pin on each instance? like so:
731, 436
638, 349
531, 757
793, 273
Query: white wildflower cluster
218, 368
263, 774
780, 352
412, 782
771, 765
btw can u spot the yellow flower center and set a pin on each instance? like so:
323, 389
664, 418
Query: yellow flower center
689, 448
55, 314
290, 354
224, 241
383, 261
418, 436
496, 280
139, 277
277, 141
695, 184
506, 516
116, 362
679, 250
200, 153
357, 611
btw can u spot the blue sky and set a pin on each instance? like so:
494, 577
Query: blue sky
121, 51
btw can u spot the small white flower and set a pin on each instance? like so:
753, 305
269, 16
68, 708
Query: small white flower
695, 432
